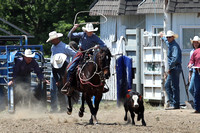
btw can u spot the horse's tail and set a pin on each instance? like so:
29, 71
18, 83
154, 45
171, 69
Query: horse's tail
75, 96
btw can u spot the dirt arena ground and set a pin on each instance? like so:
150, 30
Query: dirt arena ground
110, 119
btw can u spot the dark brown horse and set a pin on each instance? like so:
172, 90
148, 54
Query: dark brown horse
90, 80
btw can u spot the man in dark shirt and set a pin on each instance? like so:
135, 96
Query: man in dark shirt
22, 75
59, 65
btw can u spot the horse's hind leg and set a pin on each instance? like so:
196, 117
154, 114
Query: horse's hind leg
69, 109
82, 109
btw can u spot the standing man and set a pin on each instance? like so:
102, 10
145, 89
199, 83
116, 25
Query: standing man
174, 61
57, 47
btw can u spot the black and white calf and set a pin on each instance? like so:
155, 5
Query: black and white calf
134, 104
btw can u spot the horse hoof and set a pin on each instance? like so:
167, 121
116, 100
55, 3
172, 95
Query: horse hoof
91, 121
69, 113
80, 114
96, 123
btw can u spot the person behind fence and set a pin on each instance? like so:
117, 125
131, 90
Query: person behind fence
2, 99
87, 40
57, 47
59, 64
195, 44
22, 75
195, 64
174, 61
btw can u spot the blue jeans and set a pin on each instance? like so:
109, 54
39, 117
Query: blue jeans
172, 87
2, 99
196, 91
191, 86
73, 66
53, 89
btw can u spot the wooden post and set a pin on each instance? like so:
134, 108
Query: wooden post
138, 56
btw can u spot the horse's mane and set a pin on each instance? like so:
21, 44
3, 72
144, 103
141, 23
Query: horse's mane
107, 50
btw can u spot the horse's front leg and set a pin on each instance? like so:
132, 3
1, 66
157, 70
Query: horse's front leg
82, 108
97, 102
69, 109
93, 119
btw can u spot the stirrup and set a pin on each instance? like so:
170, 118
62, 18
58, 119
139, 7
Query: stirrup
69, 91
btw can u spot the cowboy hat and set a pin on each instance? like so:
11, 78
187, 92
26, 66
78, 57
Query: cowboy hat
58, 60
54, 35
89, 28
171, 33
196, 39
28, 53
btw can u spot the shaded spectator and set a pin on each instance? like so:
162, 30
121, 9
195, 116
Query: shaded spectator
174, 61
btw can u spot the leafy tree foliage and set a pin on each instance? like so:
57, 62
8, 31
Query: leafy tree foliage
39, 17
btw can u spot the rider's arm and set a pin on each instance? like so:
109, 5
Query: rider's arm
74, 35
99, 41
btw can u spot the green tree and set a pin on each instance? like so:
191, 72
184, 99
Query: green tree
39, 17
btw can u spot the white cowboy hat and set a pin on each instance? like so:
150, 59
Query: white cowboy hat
58, 60
28, 53
89, 28
54, 35
196, 39
171, 33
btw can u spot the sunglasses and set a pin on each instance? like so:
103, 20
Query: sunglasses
169, 36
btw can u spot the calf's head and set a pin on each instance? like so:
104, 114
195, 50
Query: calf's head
135, 100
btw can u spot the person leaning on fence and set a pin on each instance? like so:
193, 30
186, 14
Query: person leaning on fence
22, 74
57, 47
59, 64
87, 40
195, 63
174, 61
195, 44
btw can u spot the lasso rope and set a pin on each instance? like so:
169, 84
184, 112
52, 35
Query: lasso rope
95, 72
90, 22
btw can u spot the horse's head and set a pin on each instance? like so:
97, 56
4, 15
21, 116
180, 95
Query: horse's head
103, 58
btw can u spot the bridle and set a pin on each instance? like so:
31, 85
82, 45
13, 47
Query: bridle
96, 72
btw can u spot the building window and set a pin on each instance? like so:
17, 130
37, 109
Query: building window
187, 34
157, 30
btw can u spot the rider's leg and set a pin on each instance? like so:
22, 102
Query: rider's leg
67, 88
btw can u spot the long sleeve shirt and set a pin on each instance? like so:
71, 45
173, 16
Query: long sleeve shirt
174, 53
21, 68
195, 58
191, 52
62, 48
85, 41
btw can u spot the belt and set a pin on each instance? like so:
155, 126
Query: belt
177, 64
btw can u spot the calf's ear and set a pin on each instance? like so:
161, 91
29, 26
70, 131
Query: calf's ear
128, 96
140, 97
